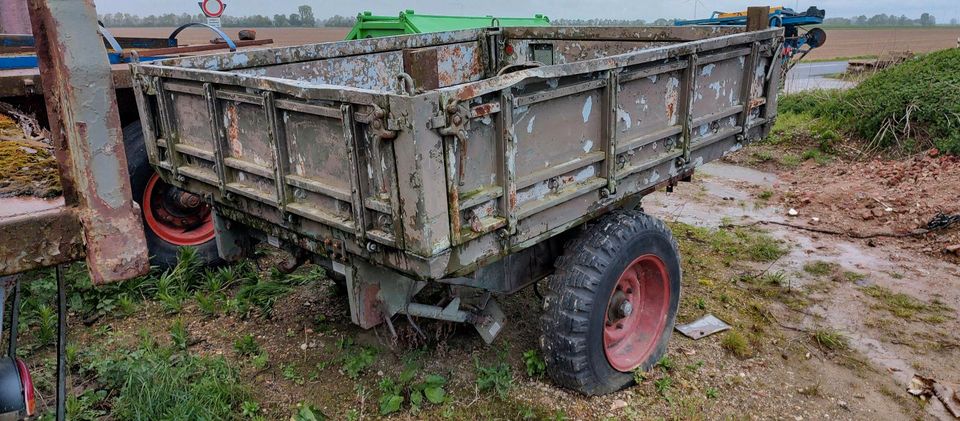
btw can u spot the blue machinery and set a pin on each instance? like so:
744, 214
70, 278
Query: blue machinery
790, 20
25, 43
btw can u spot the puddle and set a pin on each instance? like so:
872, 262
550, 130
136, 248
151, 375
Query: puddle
721, 194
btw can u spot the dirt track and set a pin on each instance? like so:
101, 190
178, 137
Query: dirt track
280, 36
861, 42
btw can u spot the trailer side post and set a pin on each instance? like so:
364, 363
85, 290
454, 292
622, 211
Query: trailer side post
85, 125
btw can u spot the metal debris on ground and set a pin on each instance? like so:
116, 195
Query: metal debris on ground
941, 221
703, 327
925, 388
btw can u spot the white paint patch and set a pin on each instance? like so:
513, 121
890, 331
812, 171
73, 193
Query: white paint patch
654, 176
530, 124
538, 191
553, 83
717, 87
587, 145
653, 79
707, 70
742, 61
624, 116
585, 174
587, 107
698, 162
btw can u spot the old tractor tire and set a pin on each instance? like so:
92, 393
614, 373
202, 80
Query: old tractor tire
168, 225
610, 306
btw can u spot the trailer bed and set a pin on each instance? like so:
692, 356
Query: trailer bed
435, 155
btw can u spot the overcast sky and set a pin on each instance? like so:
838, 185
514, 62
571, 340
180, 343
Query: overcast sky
944, 10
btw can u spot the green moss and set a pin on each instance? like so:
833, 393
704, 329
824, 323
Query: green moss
28, 169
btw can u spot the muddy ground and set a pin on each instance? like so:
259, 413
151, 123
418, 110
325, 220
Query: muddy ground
824, 326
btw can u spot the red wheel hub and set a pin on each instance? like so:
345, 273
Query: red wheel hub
636, 313
176, 216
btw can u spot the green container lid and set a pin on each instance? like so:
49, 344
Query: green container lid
371, 26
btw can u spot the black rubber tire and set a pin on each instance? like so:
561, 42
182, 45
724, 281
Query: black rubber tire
162, 254
575, 302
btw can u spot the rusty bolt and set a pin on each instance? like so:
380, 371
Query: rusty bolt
326, 241
372, 247
228, 196
452, 107
457, 119
188, 200
379, 113
604, 192
181, 178
740, 138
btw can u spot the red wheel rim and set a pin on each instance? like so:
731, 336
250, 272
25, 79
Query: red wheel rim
171, 221
636, 313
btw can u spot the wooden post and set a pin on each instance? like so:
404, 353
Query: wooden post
758, 18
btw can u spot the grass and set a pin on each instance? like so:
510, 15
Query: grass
735, 343
904, 108
734, 244
830, 339
154, 381
906, 306
820, 268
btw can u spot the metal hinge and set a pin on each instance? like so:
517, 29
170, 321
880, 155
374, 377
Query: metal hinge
384, 127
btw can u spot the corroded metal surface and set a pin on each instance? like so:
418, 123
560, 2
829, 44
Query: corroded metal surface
14, 18
85, 126
493, 154
37, 233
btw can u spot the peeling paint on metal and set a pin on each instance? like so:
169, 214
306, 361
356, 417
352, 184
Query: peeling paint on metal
587, 107
530, 124
707, 70
624, 116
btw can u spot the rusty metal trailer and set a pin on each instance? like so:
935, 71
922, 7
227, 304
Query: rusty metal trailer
468, 162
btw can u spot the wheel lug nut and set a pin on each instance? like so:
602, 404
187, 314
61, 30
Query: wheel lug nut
626, 308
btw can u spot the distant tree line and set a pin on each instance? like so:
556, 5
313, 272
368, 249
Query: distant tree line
611, 22
884, 19
302, 18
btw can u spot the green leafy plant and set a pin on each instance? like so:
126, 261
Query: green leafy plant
291, 374
534, 363
260, 360
496, 378
249, 409
666, 363
247, 345
307, 412
178, 334
357, 361
393, 394
663, 385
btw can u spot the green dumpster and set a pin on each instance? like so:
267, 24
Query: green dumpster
372, 26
